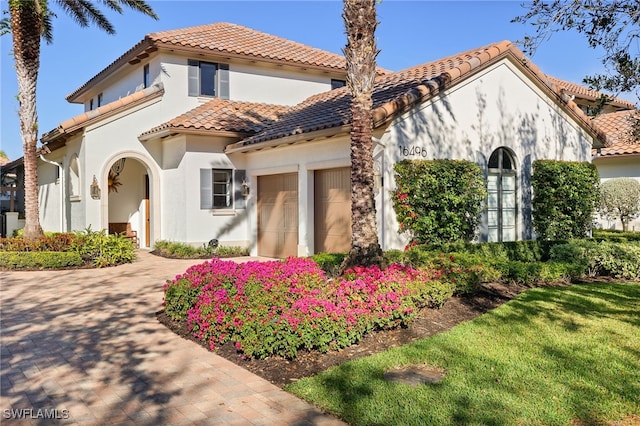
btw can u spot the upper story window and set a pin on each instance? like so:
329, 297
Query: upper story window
146, 77
208, 79
99, 100
336, 84
91, 104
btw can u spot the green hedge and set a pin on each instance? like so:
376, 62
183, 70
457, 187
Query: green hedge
522, 251
39, 260
438, 200
178, 250
615, 235
565, 196
617, 260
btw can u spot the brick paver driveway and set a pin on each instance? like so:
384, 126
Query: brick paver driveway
84, 346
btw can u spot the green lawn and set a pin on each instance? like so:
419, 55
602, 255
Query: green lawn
552, 356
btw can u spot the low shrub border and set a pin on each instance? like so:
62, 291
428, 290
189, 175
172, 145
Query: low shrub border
176, 250
39, 260
94, 249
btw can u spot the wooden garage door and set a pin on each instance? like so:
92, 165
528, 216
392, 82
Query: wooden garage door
332, 215
278, 215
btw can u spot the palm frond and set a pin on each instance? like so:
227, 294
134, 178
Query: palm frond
84, 13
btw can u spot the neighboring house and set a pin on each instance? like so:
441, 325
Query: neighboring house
620, 159
220, 131
587, 99
11, 196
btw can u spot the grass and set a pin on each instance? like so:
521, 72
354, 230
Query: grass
552, 356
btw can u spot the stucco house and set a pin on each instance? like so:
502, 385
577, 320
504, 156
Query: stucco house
220, 131
621, 158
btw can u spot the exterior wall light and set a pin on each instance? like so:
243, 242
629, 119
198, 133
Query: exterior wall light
244, 189
95, 189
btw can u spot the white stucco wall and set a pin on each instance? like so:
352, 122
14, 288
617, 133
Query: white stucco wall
183, 220
49, 196
618, 167
252, 83
125, 83
498, 107
268, 85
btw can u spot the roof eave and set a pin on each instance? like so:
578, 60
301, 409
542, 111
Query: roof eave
240, 147
143, 47
247, 56
172, 131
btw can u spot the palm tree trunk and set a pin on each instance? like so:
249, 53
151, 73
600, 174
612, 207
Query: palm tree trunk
360, 53
26, 28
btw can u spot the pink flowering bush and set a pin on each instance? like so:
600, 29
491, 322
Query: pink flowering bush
278, 308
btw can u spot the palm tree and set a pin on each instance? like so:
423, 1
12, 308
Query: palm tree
360, 52
29, 21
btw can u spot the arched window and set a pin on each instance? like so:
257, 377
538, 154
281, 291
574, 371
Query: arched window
74, 176
501, 205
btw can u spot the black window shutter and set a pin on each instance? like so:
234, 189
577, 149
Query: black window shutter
194, 78
239, 176
223, 81
206, 189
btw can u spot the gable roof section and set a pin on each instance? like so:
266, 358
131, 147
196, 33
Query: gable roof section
220, 116
396, 93
226, 39
56, 137
589, 94
618, 126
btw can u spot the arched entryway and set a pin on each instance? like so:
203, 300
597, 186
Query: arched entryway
129, 201
502, 193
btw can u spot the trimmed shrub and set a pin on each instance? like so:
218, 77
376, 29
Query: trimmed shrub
618, 260
52, 241
177, 250
329, 262
565, 195
39, 260
465, 271
523, 251
613, 235
438, 200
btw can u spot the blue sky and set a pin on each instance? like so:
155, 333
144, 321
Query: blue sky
409, 33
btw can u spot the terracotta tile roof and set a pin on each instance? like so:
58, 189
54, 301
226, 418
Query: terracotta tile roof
79, 121
220, 115
230, 40
585, 93
617, 126
396, 93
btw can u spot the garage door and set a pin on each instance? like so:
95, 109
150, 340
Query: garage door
332, 215
278, 215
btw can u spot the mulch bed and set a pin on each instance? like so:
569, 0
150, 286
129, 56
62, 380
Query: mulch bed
281, 371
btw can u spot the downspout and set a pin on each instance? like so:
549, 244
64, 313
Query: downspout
62, 206
382, 194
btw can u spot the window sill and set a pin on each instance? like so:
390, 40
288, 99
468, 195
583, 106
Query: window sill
223, 212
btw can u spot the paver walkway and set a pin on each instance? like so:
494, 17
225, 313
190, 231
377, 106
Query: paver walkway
85, 346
